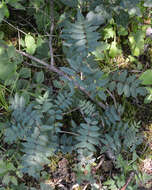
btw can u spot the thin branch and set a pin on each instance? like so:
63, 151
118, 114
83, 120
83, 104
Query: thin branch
100, 163
128, 181
29, 23
31, 65
33, 58
85, 187
113, 97
51, 30
71, 133
60, 73
75, 109
16, 28
19, 40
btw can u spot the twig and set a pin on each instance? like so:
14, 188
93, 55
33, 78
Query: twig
94, 169
60, 73
19, 40
2, 148
25, 20
16, 28
75, 109
112, 96
128, 181
71, 133
30, 64
140, 182
85, 187
51, 30
100, 163
135, 71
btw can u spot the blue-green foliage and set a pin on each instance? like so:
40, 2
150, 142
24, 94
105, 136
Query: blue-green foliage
23, 120
37, 149
88, 137
7, 170
87, 108
81, 37
36, 127
122, 137
27, 126
127, 85
66, 143
110, 116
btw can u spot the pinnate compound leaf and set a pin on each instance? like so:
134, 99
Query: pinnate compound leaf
126, 90
102, 95
68, 71
133, 91
112, 85
122, 76
120, 87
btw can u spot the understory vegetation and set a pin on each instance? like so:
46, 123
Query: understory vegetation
75, 94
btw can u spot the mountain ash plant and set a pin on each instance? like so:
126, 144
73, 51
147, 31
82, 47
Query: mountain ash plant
89, 98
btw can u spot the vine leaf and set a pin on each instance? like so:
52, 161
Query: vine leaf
146, 77
114, 50
30, 44
8, 68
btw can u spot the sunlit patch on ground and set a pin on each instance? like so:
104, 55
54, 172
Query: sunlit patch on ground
147, 165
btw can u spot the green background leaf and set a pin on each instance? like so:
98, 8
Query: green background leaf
30, 44
146, 77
